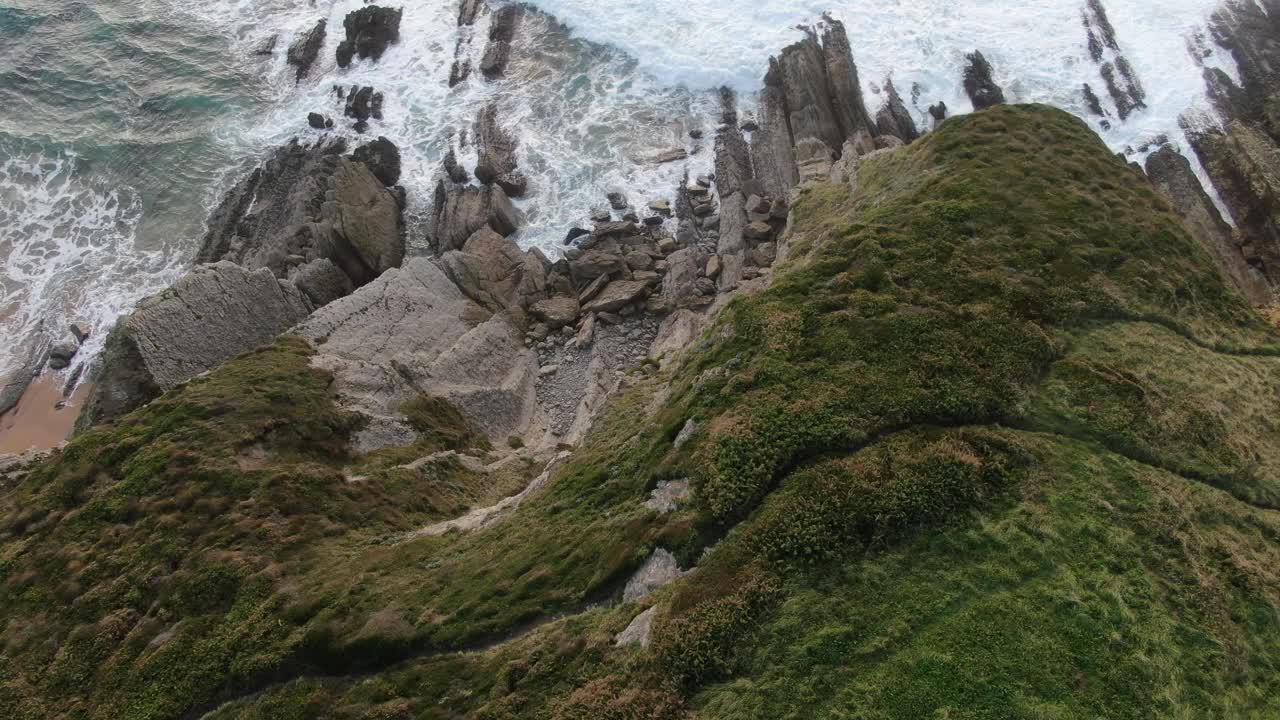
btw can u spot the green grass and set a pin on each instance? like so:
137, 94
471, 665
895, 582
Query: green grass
998, 442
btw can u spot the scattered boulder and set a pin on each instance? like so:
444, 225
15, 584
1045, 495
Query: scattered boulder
369, 30
306, 48
979, 83
556, 312
672, 155
318, 121
617, 295
210, 315
61, 354
661, 568
321, 281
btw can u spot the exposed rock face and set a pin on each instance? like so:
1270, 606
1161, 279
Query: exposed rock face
493, 271
638, 631
660, 569
502, 32
369, 31
894, 118
468, 10
462, 210
283, 211
979, 83
306, 48
497, 150
211, 315
1171, 174
412, 332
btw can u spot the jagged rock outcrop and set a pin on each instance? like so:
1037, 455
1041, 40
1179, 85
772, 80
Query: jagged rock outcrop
496, 147
308, 202
502, 32
363, 103
210, 315
894, 118
771, 143
979, 83
369, 30
306, 48
1117, 73
468, 11
462, 210
413, 333
1173, 177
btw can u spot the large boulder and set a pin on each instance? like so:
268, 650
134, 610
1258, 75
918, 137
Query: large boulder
461, 211
363, 223
370, 30
383, 158
979, 82
306, 48
412, 332
211, 315
617, 295
493, 271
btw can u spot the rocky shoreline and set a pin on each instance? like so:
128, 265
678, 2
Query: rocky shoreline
312, 242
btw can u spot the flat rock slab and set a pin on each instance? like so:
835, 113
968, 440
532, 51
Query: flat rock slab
211, 315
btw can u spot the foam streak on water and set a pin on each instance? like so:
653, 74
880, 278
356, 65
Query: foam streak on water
589, 102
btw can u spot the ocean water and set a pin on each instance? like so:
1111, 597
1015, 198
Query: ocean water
121, 123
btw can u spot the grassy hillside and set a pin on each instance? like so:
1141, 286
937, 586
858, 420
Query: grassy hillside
997, 443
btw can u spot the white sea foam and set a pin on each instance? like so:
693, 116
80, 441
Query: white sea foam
69, 254
589, 104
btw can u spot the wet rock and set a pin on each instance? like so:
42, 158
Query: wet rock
460, 211
502, 31
1173, 177
979, 83
938, 112
369, 30
575, 233
318, 121
609, 229
666, 156
209, 316
1118, 75
306, 48
1092, 102
31, 354
60, 355
363, 103
382, 158
618, 200
468, 10
79, 332
454, 170
497, 154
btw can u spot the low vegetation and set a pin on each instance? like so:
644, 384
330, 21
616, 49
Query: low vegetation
998, 442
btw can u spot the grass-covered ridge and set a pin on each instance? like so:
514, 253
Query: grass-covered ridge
997, 443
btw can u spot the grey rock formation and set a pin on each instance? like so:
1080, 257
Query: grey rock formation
412, 332
321, 281
617, 295
308, 202
369, 30
894, 118
306, 48
211, 315
383, 159
1117, 73
497, 154
979, 82
502, 32
638, 631
1173, 177
460, 211
661, 568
